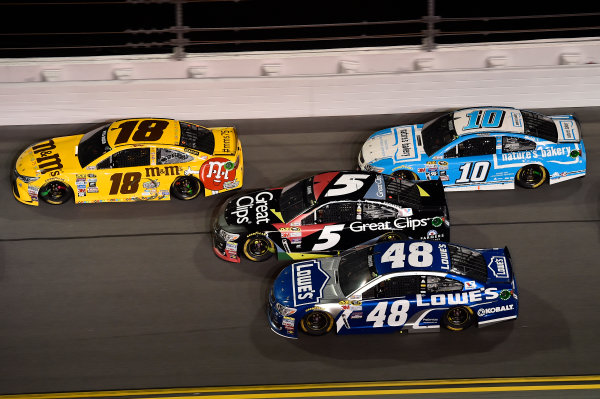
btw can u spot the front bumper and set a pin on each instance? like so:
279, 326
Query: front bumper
226, 250
24, 193
280, 325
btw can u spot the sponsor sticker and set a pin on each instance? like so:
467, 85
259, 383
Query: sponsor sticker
308, 281
498, 267
498, 309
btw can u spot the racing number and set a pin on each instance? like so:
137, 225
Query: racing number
329, 233
473, 172
131, 183
148, 130
350, 183
491, 119
419, 255
397, 316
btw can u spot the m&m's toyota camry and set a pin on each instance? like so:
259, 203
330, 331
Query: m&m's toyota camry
413, 286
481, 149
328, 213
130, 160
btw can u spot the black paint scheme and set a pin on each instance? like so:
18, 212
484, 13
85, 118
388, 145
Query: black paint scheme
329, 213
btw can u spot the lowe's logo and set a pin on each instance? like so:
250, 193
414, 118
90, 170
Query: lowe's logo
308, 281
498, 267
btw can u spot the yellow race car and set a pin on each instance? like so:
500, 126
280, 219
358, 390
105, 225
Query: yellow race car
131, 160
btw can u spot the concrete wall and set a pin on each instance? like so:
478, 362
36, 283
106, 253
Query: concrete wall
535, 74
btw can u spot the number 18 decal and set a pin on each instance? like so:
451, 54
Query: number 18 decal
473, 172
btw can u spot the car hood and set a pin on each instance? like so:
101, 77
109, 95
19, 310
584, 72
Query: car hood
254, 209
308, 282
54, 156
398, 143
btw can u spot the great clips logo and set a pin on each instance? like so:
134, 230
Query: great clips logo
308, 280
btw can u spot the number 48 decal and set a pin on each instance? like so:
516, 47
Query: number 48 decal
419, 255
397, 316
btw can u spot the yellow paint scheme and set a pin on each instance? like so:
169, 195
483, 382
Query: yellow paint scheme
102, 180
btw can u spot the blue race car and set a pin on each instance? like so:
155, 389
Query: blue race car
392, 286
480, 149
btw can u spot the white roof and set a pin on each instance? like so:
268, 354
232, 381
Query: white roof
487, 120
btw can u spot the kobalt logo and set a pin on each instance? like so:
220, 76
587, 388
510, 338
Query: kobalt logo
497, 309
259, 203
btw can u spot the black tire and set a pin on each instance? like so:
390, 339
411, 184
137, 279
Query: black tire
392, 237
404, 174
458, 318
258, 248
186, 188
316, 323
531, 176
55, 192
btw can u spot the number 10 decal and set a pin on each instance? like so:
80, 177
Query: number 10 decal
473, 172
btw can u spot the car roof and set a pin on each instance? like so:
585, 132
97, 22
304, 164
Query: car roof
504, 119
124, 131
355, 186
401, 250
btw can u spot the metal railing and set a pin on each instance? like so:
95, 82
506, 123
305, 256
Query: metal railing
177, 38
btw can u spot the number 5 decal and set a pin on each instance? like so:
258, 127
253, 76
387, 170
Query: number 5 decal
350, 183
329, 234
473, 172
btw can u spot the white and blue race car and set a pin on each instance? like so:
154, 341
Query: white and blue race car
483, 148
413, 286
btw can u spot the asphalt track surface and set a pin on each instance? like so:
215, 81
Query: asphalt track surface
126, 296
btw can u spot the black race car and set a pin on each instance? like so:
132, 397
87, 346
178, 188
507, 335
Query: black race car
329, 213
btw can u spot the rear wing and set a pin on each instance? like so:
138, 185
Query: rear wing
568, 127
499, 266
226, 140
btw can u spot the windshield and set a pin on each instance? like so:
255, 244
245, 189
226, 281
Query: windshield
437, 133
197, 137
92, 145
356, 269
296, 198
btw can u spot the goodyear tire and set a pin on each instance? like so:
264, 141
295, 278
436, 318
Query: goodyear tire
404, 174
458, 318
55, 192
392, 237
316, 323
531, 176
186, 188
258, 248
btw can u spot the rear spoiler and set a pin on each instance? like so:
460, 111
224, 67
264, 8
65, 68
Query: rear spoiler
499, 267
226, 140
568, 127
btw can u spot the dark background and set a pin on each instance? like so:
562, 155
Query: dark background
87, 27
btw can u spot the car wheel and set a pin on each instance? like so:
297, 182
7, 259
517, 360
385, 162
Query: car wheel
186, 188
458, 318
531, 176
404, 174
316, 323
55, 192
392, 237
258, 248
